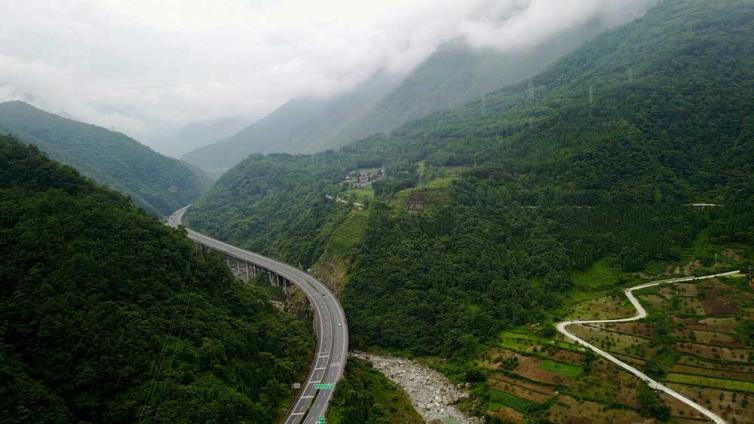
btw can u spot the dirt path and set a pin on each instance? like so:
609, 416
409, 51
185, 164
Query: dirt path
642, 313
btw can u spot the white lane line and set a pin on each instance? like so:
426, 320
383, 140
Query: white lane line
642, 313
312, 288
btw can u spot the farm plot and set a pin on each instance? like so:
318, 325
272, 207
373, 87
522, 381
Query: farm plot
734, 407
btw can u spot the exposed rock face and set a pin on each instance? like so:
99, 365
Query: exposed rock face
431, 393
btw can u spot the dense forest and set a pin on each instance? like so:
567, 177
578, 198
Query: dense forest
107, 315
155, 182
599, 156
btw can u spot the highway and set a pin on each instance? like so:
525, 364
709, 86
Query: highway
640, 314
331, 328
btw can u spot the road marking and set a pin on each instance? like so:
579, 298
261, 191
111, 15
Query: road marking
312, 288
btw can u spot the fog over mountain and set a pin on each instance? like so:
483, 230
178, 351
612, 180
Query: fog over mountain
148, 68
197, 134
453, 75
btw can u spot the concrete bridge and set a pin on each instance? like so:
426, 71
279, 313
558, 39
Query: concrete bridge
330, 325
248, 271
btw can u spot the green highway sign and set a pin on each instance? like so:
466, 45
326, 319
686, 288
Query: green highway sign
323, 386
321, 420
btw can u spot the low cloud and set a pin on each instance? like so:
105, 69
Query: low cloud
146, 67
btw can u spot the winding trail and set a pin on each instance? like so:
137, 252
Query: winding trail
640, 314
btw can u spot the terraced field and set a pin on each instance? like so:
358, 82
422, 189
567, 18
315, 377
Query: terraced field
696, 340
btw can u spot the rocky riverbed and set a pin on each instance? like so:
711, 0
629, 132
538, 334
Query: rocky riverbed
433, 396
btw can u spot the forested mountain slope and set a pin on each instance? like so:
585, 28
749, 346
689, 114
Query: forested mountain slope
457, 74
106, 315
488, 209
452, 76
158, 183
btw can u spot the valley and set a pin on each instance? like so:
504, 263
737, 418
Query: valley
507, 213
531, 205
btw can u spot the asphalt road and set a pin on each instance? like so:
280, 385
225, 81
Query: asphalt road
330, 322
640, 314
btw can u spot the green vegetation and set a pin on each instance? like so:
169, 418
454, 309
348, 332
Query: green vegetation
276, 205
106, 315
347, 236
557, 179
449, 78
569, 370
519, 340
745, 332
718, 383
651, 405
359, 194
366, 396
157, 183
498, 399
599, 276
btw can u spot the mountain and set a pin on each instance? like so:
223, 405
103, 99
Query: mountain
158, 183
107, 315
489, 210
306, 124
199, 134
457, 74
538, 203
452, 76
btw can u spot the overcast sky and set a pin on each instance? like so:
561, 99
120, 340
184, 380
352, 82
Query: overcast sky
145, 67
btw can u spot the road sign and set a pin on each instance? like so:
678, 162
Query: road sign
323, 386
321, 420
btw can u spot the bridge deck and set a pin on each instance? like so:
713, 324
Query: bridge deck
331, 327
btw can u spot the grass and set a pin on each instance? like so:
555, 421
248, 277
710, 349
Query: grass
348, 235
717, 383
359, 194
500, 399
400, 199
568, 370
602, 275
519, 340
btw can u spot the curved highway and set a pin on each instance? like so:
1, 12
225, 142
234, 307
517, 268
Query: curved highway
642, 313
330, 322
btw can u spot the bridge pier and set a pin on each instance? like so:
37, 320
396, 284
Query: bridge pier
248, 271
308, 405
